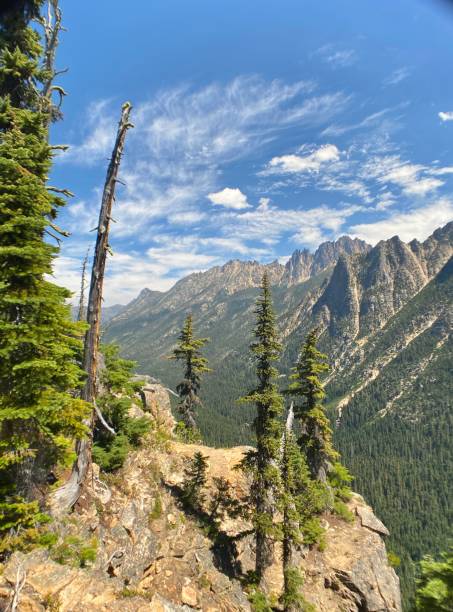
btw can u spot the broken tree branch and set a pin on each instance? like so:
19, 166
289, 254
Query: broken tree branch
21, 577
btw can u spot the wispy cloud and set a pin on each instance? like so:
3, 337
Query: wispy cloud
183, 138
416, 223
336, 57
412, 179
269, 224
98, 128
397, 76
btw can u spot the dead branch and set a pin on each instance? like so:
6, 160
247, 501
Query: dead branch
18, 586
52, 26
65, 192
81, 312
102, 420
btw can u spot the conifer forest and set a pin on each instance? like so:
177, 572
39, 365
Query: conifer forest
226, 306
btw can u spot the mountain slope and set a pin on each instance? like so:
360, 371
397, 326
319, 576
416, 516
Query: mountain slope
396, 424
384, 315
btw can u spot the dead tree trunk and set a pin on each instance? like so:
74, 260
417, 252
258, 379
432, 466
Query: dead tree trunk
65, 497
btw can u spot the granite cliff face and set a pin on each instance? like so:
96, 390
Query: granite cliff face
152, 556
303, 265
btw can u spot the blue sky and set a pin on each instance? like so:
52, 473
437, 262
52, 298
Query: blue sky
260, 127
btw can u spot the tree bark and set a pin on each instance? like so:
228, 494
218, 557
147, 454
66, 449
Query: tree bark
65, 497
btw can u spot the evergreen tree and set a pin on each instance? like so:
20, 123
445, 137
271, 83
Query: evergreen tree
194, 482
115, 399
39, 345
293, 471
189, 352
435, 586
302, 500
264, 462
316, 434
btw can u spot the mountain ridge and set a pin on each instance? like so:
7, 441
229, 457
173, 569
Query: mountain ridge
381, 313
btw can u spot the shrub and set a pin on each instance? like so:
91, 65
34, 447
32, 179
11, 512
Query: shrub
341, 510
75, 552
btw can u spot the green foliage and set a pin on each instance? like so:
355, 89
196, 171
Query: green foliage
40, 346
75, 551
435, 586
28, 538
308, 392
157, 510
194, 482
313, 532
292, 598
341, 510
189, 352
339, 480
188, 435
110, 451
222, 503
401, 461
393, 559
258, 600
263, 464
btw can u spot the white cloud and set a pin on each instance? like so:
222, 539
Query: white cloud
100, 133
269, 224
446, 116
342, 58
410, 178
229, 198
397, 76
183, 137
441, 171
336, 57
407, 177
306, 163
417, 223
188, 217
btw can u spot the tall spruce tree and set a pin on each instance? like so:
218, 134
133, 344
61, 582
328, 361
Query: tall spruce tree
189, 352
264, 462
39, 345
308, 392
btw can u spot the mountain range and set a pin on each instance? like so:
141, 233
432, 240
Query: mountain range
384, 314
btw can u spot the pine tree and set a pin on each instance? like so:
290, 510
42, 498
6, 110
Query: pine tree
264, 462
39, 345
194, 482
316, 434
315, 439
189, 352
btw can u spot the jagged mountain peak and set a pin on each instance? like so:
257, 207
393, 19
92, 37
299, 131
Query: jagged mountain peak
304, 264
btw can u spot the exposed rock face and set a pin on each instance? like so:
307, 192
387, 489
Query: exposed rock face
151, 556
303, 264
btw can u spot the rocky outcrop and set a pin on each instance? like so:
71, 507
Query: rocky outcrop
152, 556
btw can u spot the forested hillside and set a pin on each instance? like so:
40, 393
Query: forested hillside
385, 318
